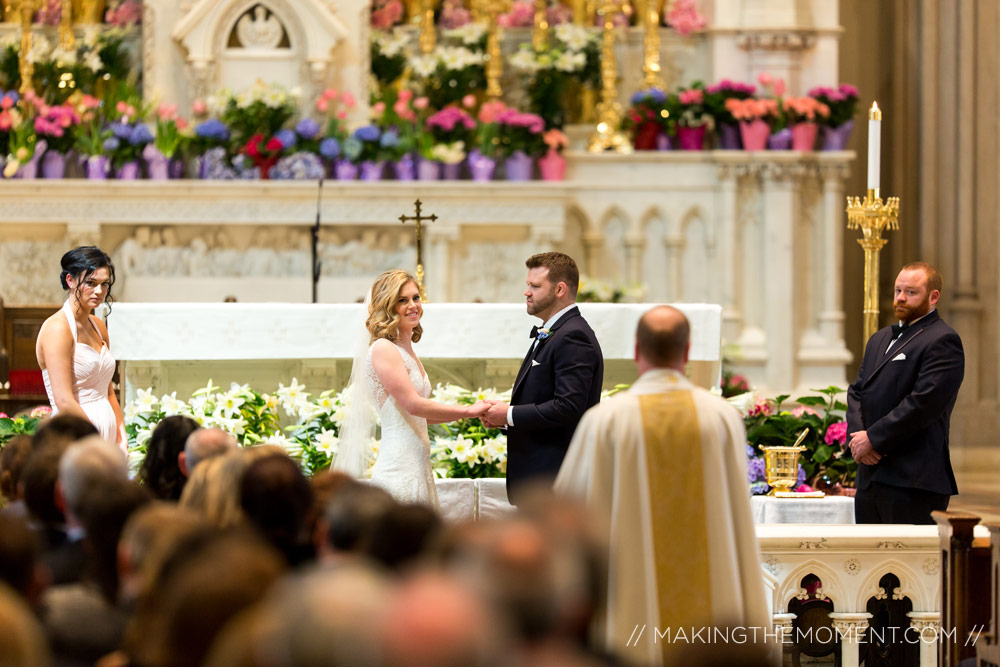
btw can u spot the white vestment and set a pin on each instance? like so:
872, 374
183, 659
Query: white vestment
666, 463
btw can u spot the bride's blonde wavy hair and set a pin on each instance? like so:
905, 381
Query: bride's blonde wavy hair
383, 321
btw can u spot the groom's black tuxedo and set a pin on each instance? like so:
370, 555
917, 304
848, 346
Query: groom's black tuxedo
560, 378
903, 398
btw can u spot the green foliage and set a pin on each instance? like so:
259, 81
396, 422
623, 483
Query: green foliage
11, 426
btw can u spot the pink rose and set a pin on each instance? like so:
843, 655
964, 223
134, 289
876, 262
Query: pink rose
342, 115
322, 105
378, 109
421, 103
6, 103
764, 79
330, 94
3, 415
198, 107
469, 101
405, 95
348, 100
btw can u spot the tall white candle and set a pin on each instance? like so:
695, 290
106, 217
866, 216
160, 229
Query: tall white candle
874, 145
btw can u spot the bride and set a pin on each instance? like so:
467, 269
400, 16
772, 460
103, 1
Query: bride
388, 377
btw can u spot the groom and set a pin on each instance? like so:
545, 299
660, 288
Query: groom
560, 378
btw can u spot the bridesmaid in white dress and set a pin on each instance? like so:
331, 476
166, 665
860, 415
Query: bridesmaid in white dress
73, 348
399, 389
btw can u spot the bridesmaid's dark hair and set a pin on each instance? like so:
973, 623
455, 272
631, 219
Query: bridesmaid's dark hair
81, 263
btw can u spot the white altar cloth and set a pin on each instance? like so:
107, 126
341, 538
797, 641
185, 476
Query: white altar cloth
827, 510
198, 331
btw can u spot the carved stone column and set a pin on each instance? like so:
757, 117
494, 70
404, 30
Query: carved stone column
779, 275
730, 233
925, 625
634, 245
850, 628
593, 243
441, 242
675, 260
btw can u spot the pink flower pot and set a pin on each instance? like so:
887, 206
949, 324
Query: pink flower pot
691, 138
754, 134
804, 136
553, 166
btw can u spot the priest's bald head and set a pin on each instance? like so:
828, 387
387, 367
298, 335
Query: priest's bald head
662, 339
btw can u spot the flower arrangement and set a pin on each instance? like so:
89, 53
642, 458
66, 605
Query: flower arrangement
454, 14
21, 425
684, 17
520, 15
768, 424
449, 73
335, 106
263, 108
388, 56
694, 111
599, 291
124, 13
804, 110
574, 56
466, 448
652, 112
752, 109
520, 131
8, 102
556, 140
386, 14
841, 101
21, 138
450, 125
461, 449
169, 130
717, 98
775, 86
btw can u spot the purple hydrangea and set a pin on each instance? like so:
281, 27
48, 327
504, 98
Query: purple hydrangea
140, 135
756, 469
329, 148
212, 129
111, 144
759, 488
389, 139
307, 128
287, 138
298, 167
653, 94
802, 476
367, 133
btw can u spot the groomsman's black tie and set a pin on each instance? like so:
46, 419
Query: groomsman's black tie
534, 332
899, 328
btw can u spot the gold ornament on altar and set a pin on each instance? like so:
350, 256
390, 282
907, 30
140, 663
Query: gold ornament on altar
88, 11
417, 219
540, 29
608, 135
872, 216
782, 469
66, 38
26, 11
494, 65
428, 31
651, 48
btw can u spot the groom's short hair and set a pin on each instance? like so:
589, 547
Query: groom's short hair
562, 269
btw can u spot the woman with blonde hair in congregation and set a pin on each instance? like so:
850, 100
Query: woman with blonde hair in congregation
388, 378
73, 348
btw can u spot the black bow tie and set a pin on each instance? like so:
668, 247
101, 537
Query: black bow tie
899, 328
534, 332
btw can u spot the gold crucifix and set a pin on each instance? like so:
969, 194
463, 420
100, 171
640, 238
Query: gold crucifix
418, 218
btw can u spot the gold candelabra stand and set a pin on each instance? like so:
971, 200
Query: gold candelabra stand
608, 135
428, 32
494, 65
66, 38
26, 11
872, 216
651, 48
540, 29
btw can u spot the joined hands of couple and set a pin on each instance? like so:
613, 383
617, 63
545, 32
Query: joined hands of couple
493, 414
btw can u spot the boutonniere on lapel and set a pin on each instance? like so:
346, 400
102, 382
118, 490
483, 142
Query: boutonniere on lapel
544, 333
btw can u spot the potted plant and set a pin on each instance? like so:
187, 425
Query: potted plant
649, 120
717, 98
695, 118
753, 116
842, 102
553, 163
520, 142
167, 142
804, 114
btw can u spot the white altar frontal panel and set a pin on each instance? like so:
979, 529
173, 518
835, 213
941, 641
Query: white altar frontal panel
178, 347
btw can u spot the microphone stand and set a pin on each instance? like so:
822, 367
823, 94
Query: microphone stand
314, 232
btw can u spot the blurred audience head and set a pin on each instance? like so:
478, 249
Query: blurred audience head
12, 459
160, 471
22, 642
349, 518
87, 466
276, 498
202, 444
147, 540
20, 560
213, 491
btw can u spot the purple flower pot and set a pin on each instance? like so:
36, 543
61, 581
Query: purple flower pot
836, 138
345, 170
428, 170
780, 140
128, 171
158, 168
176, 168
664, 142
729, 137
28, 170
53, 164
481, 167
451, 172
404, 168
372, 171
519, 166
96, 167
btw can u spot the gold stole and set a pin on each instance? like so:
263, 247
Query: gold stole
680, 526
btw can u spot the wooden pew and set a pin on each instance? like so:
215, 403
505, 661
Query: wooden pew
988, 647
965, 587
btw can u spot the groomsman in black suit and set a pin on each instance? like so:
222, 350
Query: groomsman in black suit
560, 377
899, 407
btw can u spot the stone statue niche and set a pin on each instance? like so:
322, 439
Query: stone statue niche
193, 49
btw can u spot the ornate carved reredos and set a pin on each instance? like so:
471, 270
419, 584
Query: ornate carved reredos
233, 43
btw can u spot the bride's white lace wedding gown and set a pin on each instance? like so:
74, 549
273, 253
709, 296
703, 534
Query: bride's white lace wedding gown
403, 466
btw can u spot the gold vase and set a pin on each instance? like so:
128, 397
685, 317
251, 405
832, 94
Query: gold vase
782, 465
